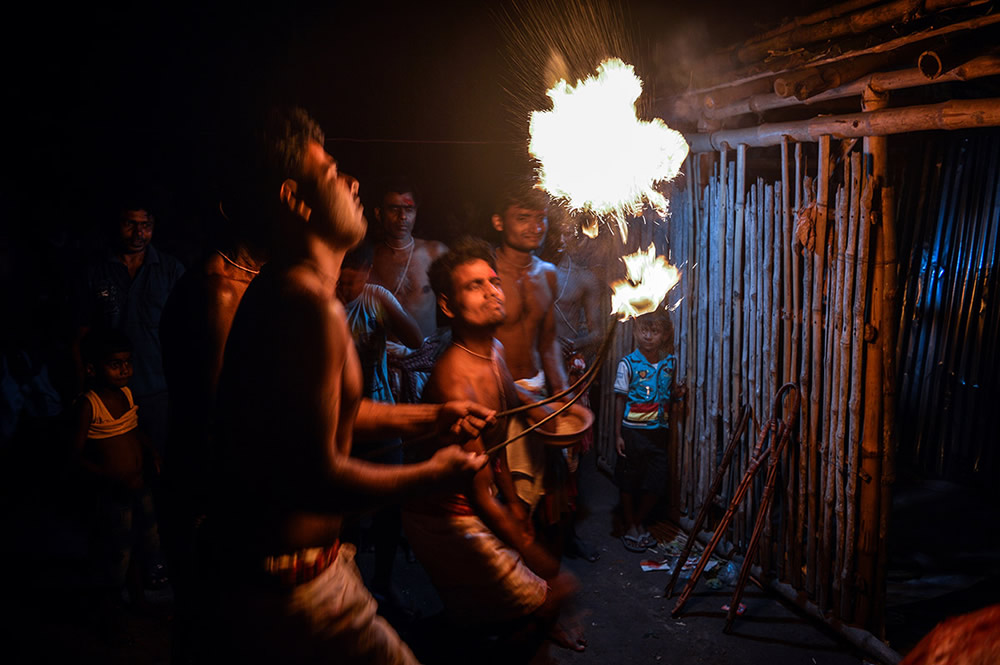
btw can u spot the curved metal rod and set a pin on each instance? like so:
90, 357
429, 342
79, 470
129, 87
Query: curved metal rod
531, 428
586, 380
594, 368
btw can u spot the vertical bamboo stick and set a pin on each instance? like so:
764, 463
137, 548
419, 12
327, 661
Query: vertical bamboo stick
738, 284
690, 309
890, 319
727, 311
772, 266
815, 579
716, 235
739, 371
847, 340
787, 359
833, 492
869, 511
753, 340
703, 344
798, 360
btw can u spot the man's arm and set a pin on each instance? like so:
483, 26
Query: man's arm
323, 370
400, 324
458, 418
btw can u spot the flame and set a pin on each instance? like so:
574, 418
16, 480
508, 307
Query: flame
594, 151
648, 280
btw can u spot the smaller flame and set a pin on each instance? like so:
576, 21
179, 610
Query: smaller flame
648, 280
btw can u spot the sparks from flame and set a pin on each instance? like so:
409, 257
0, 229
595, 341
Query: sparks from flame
594, 151
648, 280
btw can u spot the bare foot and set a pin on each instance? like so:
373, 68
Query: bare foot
568, 634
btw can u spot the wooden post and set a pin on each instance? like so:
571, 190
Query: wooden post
871, 453
890, 319
818, 574
848, 369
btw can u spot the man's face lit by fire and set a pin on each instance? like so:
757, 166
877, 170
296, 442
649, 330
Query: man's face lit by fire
522, 229
332, 197
397, 214
135, 231
477, 301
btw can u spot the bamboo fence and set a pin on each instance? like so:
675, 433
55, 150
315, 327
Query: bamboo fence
778, 286
793, 277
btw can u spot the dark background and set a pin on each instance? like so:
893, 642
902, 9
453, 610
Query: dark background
104, 98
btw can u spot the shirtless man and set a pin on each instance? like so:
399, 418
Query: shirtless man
289, 400
400, 265
578, 299
401, 260
531, 347
579, 328
486, 565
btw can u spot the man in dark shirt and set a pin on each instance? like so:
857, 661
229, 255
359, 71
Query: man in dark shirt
125, 288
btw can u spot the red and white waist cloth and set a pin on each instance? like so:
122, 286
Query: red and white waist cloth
300, 566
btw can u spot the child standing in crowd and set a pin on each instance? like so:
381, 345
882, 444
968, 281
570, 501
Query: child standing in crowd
113, 453
644, 390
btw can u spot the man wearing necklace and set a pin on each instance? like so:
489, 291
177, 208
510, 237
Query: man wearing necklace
289, 407
482, 558
400, 264
532, 350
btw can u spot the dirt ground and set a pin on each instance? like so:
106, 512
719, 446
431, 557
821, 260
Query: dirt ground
626, 617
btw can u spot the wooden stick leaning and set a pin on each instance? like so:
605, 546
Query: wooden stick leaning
720, 474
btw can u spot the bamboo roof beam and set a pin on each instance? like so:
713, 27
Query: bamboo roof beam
743, 77
978, 67
865, 19
954, 114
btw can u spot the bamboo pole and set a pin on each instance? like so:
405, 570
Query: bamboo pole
805, 84
890, 278
703, 345
774, 335
753, 339
950, 115
868, 515
716, 274
848, 370
690, 308
813, 583
779, 65
787, 360
805, 526
829, 453
739, 353
728, 57
728, 314
895, 13
833, 496
978, 67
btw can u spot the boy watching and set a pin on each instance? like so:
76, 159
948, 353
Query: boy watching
644, 389
113, 452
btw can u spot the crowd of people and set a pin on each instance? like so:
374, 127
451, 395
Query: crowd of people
309, 370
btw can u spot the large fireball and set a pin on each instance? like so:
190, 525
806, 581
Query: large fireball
594, 151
